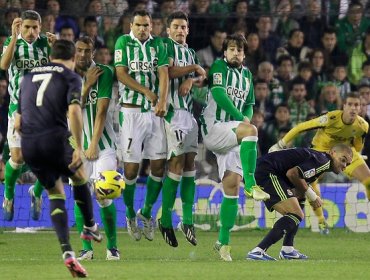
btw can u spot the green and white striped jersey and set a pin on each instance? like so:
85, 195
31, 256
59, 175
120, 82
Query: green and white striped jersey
182, 56
101, 89
142, 61
26, 57
238, 84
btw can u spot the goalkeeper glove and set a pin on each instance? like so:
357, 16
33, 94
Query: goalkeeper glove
280, 145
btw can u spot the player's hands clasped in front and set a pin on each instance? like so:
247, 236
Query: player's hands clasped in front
92, 153
16, 27
151, 96
316, 203
76, 160
160, 109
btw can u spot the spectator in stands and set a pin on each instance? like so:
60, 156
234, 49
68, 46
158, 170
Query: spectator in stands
305, 73
332, 52
91, 30
340, 78
158, 26
319, 74
110, 36
10, 15
365, 73
67, 33
329, 99
73, 7
213, 51
95, 8
254, 54
281, 120
258, 121
53, 7
262, 103
123, 25
359, 54
166, 8
270, 42
28, 4
298, 105
364, 91
48, 23
266, 72
295, 47
283, 22
351, 29
312, 24
239, 18
285, 74
103, 55
115, 8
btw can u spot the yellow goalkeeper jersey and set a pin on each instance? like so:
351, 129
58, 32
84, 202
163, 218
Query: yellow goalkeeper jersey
331, 130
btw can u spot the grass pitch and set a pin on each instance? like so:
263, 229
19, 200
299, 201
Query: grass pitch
340, 255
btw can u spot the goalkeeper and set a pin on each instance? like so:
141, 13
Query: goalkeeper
340, 126
285, 176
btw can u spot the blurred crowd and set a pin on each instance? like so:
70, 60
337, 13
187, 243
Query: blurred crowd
305, 55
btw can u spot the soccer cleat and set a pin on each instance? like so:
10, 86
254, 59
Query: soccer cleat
148, 228
294, 255
324, 227
8, 209
86, 255
73, 265
113, 254
189, 232
168, 235
36, 203
133, 229
259, 256
257, 193
223, 251
89, 234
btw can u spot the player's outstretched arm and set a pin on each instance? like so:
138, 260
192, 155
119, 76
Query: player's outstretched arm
220, 96
10, 45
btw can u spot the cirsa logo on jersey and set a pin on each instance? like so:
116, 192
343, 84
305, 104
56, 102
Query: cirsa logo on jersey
144, 66
235, 92
30, 63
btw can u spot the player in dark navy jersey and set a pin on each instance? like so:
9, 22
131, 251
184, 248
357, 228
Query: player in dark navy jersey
51, 150
286, 176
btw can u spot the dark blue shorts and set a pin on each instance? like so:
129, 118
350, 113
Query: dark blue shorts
48, 156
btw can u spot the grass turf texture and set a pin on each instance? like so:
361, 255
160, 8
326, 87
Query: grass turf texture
340, 255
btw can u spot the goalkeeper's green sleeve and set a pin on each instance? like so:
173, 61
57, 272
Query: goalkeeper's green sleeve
222, 100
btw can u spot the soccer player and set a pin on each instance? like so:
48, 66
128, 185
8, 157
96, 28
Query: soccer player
99, 139
228, 133
286, 175
47, 94
142, 71
340, 126
181, 129
25, 49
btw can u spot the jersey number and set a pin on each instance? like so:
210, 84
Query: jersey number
45, 79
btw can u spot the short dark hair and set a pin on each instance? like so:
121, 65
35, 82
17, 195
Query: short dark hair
352, 94
63, 49
177, 15
90, 19
294, 30
297, 81
260, 81
86, 40
328, 30
239, 39
304, 65
283, 58
32, 15
141, 13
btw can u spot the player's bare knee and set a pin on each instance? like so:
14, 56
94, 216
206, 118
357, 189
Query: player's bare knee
176, 165
17, 156
244, 130
157, 167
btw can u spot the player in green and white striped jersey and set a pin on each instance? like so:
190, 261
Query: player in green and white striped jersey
98, 139
22, 51
228, 133
142, 71
181, 129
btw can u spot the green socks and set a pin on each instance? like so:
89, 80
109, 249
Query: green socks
153, 188
187, 192
248, 157
38, 189
86, 245
170, 185
12, 172
108, 215
128, 198
228, 212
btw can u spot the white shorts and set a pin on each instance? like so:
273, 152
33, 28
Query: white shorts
142, 135
106, 161
14, 139
222, 141
182, 134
